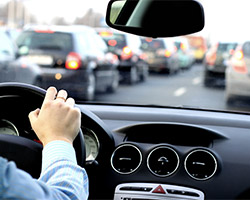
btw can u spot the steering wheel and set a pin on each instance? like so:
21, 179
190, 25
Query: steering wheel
27, 154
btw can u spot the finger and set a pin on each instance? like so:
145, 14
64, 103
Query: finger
33, 115
50, 94
70, 102
62, 95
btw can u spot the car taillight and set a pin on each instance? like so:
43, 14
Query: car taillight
167, 53
211, 58
73, 61
126, 53
112, 43
44, 31
143, 56
238, 62
239, 55
231, 52
149, 39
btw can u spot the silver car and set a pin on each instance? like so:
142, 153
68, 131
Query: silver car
238, 74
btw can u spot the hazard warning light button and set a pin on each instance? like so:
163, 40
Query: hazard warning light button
159, 190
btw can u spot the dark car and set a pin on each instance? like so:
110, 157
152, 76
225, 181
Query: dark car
237, 75
215, 63
161, 55
75, 58
132, 67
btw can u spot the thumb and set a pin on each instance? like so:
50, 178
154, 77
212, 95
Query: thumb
33, 115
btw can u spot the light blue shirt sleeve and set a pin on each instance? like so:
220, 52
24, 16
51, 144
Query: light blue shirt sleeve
61, 178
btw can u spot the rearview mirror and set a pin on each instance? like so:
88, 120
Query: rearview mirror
156, 18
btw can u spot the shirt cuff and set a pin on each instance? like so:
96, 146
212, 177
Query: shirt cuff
3, 167
57, 150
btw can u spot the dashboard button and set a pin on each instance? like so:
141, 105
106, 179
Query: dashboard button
159, 190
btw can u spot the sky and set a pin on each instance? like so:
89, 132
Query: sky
70, 9
224, 18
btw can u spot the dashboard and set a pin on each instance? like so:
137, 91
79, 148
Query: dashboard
136, 153
167, 153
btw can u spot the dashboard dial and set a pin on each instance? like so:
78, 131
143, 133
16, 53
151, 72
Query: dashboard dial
8, 128
91, 144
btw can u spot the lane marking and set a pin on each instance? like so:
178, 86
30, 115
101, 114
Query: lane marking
196, 81
180, 92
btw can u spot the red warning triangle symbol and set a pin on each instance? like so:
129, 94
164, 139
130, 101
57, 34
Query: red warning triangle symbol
159, 189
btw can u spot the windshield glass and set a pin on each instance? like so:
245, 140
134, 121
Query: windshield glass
206, 70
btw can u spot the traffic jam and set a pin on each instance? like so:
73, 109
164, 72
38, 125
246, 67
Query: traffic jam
97, 63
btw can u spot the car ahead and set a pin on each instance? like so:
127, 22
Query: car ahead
170, 138
133, 67
161, 55
215, 63
237, 74
75, 58
198, 45
185, 56
10, 65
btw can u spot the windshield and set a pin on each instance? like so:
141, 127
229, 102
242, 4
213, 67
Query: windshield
205, 70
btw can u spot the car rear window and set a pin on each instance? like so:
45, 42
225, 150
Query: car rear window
152, 45
225, 47
46, 41
115, 40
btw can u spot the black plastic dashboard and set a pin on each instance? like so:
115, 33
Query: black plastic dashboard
211, 150
155, 153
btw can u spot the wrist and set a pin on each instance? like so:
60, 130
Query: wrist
45, 142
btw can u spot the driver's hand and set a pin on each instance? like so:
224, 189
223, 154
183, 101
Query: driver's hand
58, 119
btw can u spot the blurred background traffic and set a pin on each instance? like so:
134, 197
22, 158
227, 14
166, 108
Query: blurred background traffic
95, 63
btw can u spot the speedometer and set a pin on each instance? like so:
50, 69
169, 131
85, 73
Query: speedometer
91, 144
8, 128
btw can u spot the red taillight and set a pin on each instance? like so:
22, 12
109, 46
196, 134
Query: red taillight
238, 62
149, 39
239, 55
167, 53
73, 61
143, 56
126, 53
211, 58
112, 43
44, 31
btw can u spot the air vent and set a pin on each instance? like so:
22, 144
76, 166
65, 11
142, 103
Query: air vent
163, 161
200, 164
126, 159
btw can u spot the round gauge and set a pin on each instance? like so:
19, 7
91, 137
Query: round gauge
8, 128
91, 144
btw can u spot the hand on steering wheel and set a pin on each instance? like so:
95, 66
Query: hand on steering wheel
58, 119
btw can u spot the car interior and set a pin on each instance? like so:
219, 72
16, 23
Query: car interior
142, 152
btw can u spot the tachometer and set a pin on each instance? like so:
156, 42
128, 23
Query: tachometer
91, 144
8, 128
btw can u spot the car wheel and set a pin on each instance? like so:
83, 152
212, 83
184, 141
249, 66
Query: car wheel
90, 91
208, 81
230, 100
115, 83
133, 75
144, 75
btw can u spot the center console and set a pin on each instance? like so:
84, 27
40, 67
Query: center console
149, 191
